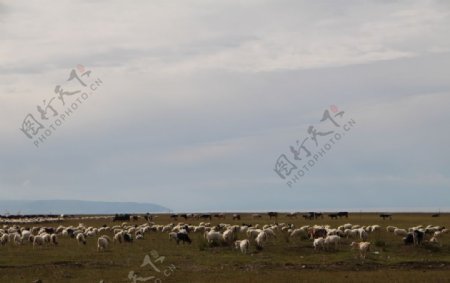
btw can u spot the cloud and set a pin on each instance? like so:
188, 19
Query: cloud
199, 100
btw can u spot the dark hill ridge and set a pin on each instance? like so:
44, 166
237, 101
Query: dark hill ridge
76, 207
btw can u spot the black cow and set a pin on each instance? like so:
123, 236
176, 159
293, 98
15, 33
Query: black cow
342, 214
122, 217
384, 216
333, 215
183, 237
206, 216
312, 215
272, 214
292, 215
220, 215
174, 216
236, 217
307, 216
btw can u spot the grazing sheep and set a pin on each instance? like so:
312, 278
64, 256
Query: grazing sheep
17, 239
299, 233
26, 236
103, 243
38, 241
213, 237
319, 243
400, 232
363, 247
252, 233
351, 233
118, 237
374, 228
4, 239
332, 240
46, 237
316, 232
81, 239
347, 226
54, 239
261, 239
435, 240
229, 236
363, 235
418, 237
127, 238
437, 236
172, 236
243, 245
184, 237
270, 233
390, 228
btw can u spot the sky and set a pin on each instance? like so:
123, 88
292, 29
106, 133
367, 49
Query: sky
189, 104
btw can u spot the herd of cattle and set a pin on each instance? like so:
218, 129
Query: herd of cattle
241, 236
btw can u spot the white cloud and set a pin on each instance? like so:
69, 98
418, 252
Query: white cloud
219, 89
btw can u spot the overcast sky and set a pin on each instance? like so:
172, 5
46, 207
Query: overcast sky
200, 98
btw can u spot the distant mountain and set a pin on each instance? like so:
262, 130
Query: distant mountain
76, 207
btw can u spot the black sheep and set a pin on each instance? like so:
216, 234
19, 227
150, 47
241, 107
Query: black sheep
183, 237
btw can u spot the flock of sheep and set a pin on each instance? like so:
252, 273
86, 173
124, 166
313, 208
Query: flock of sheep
242, 237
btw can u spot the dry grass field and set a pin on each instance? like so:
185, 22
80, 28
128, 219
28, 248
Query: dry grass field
283, 260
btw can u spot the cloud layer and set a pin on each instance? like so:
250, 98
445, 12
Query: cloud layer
199, 100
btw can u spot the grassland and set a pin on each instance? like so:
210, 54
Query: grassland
281, 261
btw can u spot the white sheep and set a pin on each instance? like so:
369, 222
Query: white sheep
173, 236
270, 233
213, 237
118, 237
17, 239
253, 233
318, 243
363, 235
435, 240
26, 236
390, 228
229, 236
4, 239
261, 239
46, 237
375, 228
332, 240
54, 239
38, 241
400, 232
363, 247
347, 226
103, 243
243, 245
81, 239
299, 233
